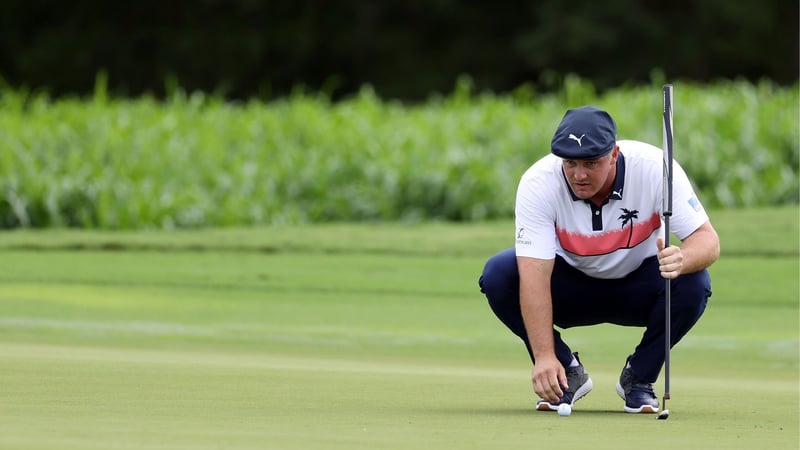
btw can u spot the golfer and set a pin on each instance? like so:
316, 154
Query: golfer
590, 250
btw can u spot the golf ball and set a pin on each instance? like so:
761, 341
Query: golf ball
564, 409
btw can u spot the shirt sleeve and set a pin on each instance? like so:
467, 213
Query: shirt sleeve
688, 213
535, 220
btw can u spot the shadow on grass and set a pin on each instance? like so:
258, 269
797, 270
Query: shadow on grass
522, 412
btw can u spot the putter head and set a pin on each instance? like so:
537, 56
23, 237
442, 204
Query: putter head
663, 415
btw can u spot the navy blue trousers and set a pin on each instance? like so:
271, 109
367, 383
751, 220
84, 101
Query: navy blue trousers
580, 300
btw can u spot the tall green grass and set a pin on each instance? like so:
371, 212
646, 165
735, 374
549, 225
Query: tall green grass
196, 160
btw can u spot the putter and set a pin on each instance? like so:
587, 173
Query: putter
667, 212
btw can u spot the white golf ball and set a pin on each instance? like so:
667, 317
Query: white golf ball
564, 410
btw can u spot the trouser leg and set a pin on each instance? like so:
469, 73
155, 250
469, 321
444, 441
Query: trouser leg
689, 296
635, 300
579, 300
500, 283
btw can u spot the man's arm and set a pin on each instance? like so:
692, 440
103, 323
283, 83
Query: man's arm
698, 251
548, 376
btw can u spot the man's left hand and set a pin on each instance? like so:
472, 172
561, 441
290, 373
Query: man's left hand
670, 260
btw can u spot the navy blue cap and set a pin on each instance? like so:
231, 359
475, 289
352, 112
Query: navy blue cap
584, 133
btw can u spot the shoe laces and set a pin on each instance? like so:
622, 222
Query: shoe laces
574, 379
634, 384
643, 387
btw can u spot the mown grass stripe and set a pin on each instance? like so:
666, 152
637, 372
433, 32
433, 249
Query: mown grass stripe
257, 361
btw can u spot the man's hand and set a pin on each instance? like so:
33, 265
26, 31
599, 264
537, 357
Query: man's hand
548, 379
670, 260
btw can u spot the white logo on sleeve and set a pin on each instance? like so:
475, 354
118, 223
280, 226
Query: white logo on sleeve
576, 139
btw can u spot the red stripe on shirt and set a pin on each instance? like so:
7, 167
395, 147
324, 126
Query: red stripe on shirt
608, 241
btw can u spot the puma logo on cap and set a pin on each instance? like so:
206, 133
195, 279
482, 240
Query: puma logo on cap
577, 139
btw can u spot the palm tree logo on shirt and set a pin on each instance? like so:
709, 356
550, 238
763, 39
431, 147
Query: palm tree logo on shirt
628, 216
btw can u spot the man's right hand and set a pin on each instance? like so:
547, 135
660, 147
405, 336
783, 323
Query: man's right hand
549, 379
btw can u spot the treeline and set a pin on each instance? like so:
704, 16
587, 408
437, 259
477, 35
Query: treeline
403, 49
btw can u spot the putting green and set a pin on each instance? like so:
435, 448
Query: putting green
160, 342
99, 397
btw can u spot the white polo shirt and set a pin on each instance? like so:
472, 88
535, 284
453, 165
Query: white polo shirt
612, 240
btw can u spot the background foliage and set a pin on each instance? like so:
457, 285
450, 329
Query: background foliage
403, 49
198, 160
246, 112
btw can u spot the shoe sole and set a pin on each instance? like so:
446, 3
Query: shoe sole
580, 393
644, 409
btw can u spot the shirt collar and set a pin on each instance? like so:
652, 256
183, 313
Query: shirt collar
619, 182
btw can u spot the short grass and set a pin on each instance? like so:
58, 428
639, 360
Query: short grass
360, 336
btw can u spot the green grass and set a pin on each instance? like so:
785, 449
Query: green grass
196, 160
360, 336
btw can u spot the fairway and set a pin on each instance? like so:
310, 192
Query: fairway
361, 336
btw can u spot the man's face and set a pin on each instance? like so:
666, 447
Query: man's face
591, 178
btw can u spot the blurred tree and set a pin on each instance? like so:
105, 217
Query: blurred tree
407, 49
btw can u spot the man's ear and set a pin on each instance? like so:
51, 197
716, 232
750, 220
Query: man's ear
614, 154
